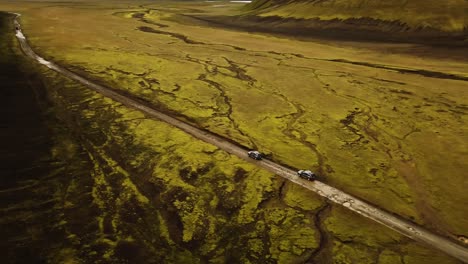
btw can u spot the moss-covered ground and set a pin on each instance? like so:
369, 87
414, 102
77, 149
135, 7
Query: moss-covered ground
150, 201
160, 195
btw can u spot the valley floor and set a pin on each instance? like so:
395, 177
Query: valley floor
374, 120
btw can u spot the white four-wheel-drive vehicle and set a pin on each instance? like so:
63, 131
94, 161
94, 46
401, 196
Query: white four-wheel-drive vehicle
307, 174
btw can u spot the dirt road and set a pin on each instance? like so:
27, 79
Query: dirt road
396, 223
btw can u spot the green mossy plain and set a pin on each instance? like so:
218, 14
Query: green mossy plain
153, 202
362, 129
145, 175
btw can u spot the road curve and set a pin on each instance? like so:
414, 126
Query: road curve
396, 223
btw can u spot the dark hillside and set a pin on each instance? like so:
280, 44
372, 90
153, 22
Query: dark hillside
396, 19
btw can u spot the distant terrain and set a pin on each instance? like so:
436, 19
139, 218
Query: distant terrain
401, 20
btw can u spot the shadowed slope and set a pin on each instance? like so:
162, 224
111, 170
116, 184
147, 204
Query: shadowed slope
426, 18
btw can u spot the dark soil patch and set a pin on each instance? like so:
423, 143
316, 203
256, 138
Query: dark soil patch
174, 35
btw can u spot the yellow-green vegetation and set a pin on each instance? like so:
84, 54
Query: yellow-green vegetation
161, 195
156, 184
363, 127
295, 197
449, 16
363, 241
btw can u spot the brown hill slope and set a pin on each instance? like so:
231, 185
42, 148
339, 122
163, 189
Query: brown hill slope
427, 18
